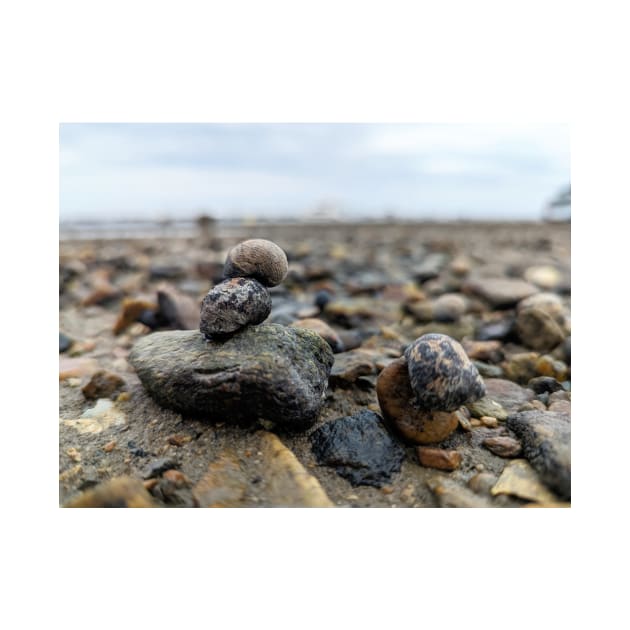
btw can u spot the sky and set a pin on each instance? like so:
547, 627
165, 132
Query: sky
422, 171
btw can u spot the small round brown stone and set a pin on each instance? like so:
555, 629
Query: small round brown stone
232, 305
257, 258
399, 407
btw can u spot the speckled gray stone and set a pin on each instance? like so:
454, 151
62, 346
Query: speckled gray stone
441, 374
267, 372
232, 305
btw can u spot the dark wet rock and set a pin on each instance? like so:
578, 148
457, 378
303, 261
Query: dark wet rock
360, 449
266, 372
103, 384
442, 376
120, 492
257, 258
544, 384
503, 446
546, 440
400, 408
65, 342
499, 330
500, 292
233, 305
508, 394
158, 466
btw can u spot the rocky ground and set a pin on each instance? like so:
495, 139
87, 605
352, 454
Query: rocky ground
502, 290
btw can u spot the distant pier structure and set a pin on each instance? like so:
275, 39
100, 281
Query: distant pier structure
559, 208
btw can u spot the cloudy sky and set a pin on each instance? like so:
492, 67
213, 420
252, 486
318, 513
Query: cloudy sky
434, 171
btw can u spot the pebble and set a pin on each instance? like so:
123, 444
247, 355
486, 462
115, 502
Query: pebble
259, 259
166, 272
489, 421
521, 367
439, 458
546, 440
507, 394
442, 376
503, 446
349, 366
120, 492
544, 384
132, 309
360, 449
449, 307
321, 299
500, 292
110, 446
104, 415
563, 406
486, 406
537, 328
430, 267
487, 351
266, 372
65, 342
489, 371
322, 329
177, 310
482, 482
546, 365
452, 495
498, 330
76, 367
520, 479
232, 305
223, 485
398, 405
103, 384
546, 277
179, 439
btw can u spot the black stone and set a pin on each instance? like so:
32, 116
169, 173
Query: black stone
360, 449
544, 384
322, 298
65, 342
546, 440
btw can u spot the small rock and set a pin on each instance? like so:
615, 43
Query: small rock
503, 446
488, 371
359, 448
430, 267
486, 406
520, 479
268, 372
322, 329
100, 418
562, 406
500, 292
132, 310
490, 351
349, 366
166, 272
399, 407
449, 307
508, 394
521, 367
120, 492
178, 439
544, 384
73, 454
177, 310
76, 367
65, 342
259, 259
321, 299
499, 330
482, 482
223, 485
545, 276
233, 305
110, 446
158, 466
442, 376
546, 365
537, 329
546, 440
453, 495
103, 384
438, 458
489, 421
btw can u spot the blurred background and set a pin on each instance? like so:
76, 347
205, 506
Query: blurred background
138, 175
